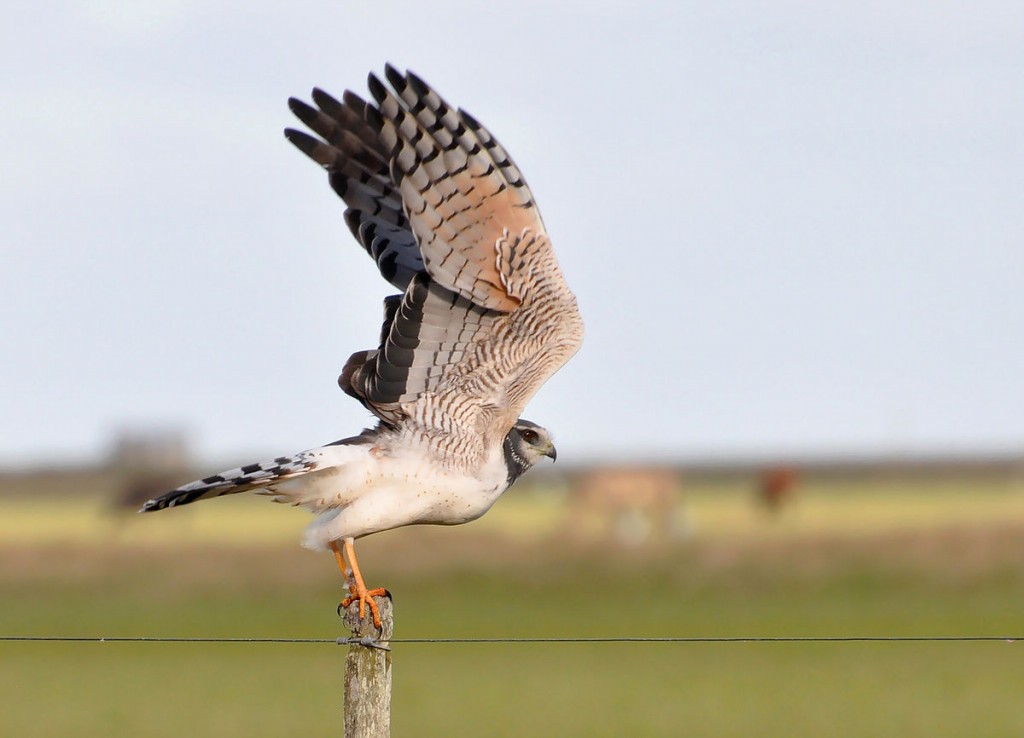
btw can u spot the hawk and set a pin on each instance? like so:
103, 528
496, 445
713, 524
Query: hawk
484, 318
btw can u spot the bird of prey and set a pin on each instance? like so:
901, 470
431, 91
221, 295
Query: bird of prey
484, 318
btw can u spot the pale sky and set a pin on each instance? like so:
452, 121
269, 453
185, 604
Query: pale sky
793, 227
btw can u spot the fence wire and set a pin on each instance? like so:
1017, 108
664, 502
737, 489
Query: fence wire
521, 641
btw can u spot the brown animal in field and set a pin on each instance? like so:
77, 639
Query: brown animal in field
630, 503
776, 488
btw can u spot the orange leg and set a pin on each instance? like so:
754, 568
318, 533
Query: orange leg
345, 571
356, 587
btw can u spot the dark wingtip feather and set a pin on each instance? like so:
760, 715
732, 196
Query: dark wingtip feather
418, 85
353, 100
324, 99
304, 112
374, 118
311, 147
302, 140
377, 88
396, 78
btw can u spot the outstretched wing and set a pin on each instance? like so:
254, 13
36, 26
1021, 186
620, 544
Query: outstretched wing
486, 316
359, 170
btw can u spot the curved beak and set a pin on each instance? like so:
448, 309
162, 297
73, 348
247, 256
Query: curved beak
552, 452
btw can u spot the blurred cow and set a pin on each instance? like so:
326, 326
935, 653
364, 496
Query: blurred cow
632, 504
776, 488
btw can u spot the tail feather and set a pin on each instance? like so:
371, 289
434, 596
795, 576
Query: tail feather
265, 476
242, 479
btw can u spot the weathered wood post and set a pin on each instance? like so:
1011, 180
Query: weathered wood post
368, 673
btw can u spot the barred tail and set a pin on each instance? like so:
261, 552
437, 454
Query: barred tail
242, 479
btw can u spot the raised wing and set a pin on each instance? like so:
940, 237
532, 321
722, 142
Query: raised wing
359, 170
486, 316
458, 198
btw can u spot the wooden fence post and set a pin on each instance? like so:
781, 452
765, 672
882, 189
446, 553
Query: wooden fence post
368, 674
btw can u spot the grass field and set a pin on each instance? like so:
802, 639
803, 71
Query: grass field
878, 560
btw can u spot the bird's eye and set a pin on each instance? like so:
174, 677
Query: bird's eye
529, 436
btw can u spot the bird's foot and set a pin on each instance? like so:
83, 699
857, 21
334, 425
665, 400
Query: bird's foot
364, 597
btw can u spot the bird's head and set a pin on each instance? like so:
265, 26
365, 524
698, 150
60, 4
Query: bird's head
525, 445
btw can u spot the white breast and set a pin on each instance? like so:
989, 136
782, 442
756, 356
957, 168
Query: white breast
393, 491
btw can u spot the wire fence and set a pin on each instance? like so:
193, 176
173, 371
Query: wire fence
522, 641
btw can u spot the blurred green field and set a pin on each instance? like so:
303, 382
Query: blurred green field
869, 560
